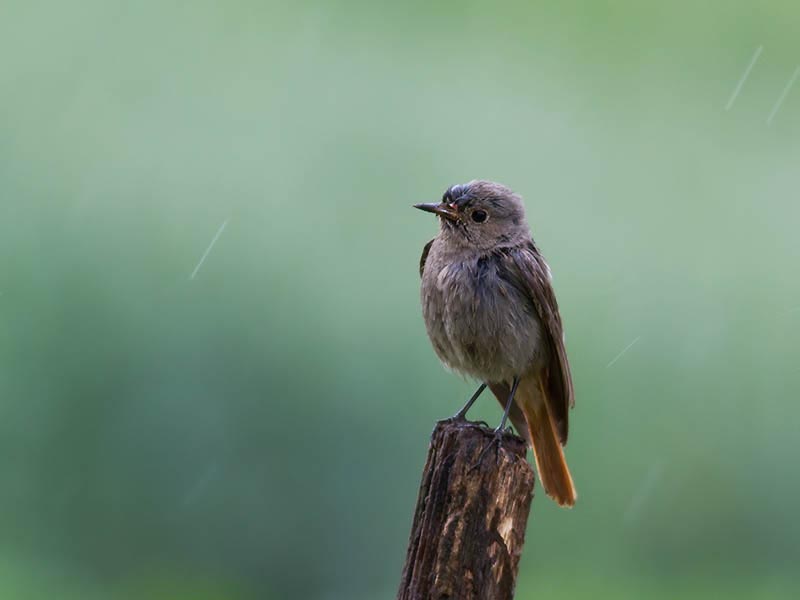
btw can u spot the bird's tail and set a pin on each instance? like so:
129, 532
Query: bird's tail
531, 397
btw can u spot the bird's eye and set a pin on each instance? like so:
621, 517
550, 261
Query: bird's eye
479, 216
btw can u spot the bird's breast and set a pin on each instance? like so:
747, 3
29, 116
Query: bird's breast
478, 320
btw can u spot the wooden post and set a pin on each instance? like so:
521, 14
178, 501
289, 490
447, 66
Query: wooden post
469, 524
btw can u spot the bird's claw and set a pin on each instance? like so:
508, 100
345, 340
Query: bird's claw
497, 438
462, 418
459, 417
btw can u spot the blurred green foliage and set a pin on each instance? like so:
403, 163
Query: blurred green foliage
258, 431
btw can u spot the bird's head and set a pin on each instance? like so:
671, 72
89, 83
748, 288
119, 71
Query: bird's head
481, 214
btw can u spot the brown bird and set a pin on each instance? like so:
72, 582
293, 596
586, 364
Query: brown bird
491, 313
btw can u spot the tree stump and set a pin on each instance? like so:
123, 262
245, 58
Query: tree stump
469, 524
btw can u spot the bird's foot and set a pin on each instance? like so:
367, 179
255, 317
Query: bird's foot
461, 417
497, 439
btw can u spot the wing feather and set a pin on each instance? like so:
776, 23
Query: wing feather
534, 275
424, 256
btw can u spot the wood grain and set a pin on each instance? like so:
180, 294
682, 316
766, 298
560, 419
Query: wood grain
469, 524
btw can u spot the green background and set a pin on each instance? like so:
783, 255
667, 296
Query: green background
258, 431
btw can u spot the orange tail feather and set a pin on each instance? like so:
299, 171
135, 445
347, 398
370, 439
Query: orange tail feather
550, 462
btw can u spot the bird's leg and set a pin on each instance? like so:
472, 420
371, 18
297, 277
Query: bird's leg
498, 433
508, 406
461, 415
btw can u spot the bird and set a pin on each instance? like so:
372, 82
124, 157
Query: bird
491, 314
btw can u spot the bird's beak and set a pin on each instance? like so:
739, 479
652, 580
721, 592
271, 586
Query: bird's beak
447, 211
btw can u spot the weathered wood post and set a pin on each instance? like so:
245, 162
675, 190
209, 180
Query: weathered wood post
469, 524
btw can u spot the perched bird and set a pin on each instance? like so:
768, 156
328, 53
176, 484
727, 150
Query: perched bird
491, 313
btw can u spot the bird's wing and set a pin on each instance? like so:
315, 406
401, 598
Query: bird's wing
533, 276
422, 258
